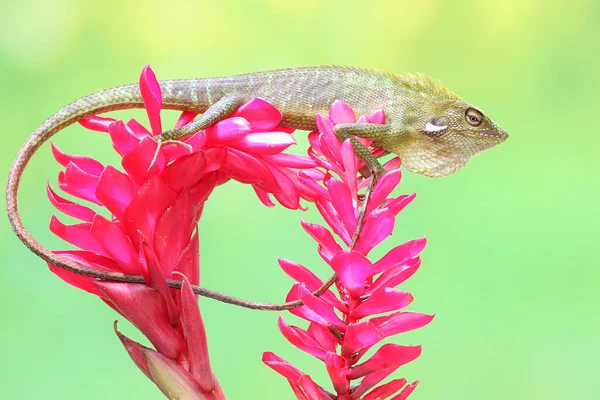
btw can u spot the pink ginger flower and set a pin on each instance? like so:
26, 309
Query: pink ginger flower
149, 226
368, 307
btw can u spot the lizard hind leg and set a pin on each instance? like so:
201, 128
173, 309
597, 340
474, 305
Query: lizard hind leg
366, 131
220, 110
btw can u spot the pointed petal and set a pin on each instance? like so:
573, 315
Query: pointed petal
378, 226
398, 204
157, 280
123, 139
388, 356
401, 322
399, 255
84, 163
341, 113
263, 197
323, 237
135, 351
341, 199
189, 262
290, 160
323, 336
383, 300
145, 208
261, 115
386, 390
395, 276
288, 194
79, 183
88, 259
370, 381
152, 97
115, 191
228, 131
336, 369
96, 123
386, 184
359, 336
137, 162
195, 338
265, 143
301, 339
319, 311
115, 243
185, 171
353, 269
378, 117
68, 207
78, 235
173, 231
406, 392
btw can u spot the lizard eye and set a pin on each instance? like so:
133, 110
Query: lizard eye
473, 117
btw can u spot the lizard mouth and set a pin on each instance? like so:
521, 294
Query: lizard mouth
499, 135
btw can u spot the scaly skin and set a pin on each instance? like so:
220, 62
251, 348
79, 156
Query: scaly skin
432, 130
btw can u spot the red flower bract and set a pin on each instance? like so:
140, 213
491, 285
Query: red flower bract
150, 224
343, 328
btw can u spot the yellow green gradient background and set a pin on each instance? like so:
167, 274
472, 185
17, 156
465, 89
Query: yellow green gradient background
511, 269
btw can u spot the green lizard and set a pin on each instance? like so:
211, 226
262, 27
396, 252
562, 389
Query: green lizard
432, 130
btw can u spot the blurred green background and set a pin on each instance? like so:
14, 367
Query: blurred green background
511, 268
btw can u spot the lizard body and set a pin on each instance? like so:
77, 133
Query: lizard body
432, 130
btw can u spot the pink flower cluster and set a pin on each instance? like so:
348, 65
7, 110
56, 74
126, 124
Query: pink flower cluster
343, 328
150, 223
149, 228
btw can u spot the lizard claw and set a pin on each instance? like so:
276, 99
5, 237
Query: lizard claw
161, 143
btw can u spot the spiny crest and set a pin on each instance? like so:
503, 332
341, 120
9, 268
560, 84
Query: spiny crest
427, 84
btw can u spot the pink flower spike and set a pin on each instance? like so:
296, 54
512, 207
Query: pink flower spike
383, 300
195, 336
68, 207
261, 115
388, 356
152, 97
96, 123
353, 269
341, 113
86, 164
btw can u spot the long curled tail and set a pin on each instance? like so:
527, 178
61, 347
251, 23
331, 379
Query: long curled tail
118, 98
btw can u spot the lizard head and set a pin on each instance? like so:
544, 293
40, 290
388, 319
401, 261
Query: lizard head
444, 136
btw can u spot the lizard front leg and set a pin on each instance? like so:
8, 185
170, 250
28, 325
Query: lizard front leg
215, 113
365, 131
